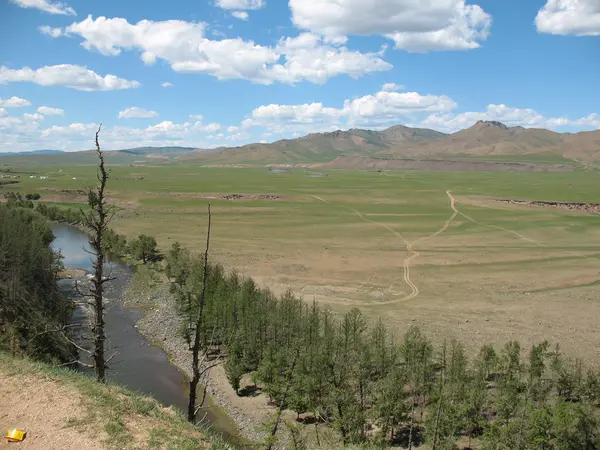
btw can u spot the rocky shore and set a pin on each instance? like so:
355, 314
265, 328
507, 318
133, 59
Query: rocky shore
161, 325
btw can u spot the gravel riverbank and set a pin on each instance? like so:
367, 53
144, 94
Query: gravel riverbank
161, 325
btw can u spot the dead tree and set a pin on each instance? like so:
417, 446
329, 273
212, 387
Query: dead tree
196, 372
96, 221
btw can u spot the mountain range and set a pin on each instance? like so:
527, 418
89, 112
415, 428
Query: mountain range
485, 140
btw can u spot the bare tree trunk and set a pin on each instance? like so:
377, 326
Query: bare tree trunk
412, 421
440, 400
97, 222
198, 329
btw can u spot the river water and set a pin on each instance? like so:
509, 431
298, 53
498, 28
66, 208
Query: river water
138, 365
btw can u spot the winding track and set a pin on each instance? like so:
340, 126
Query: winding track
409, 245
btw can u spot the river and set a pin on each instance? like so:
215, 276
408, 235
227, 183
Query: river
138, 365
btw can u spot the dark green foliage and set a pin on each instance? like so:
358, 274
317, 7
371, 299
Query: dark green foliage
16, 199
373, 390
30, 304
58, 214
144, 248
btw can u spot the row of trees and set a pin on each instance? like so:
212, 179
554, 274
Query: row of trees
371, 386
142, 248
30, 303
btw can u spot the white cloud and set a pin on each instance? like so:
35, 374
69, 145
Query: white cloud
232, 129
67, 75
510, 116
196, 117
33, 117
166, 84
240, 4
3, 112
470, 26
52, 32
47, 6
47, 111
392, 87
212, 127
79, 135
308, 57
414, 25
14, 102
184, 46
576, 17
242, 15
370, 110
137, 113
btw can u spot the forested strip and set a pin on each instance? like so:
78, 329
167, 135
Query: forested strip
30, 303
374, 388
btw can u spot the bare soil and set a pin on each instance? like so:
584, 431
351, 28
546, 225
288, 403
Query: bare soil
361, 162
579, 207
43, 409
192, 195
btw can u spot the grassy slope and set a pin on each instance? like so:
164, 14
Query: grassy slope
108, 415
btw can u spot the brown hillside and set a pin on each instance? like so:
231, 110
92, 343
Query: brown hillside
495, 138
491, 139
318, 146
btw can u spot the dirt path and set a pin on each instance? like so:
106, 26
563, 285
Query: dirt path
520, 236
409, 245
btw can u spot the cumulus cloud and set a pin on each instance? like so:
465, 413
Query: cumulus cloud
3, 112
47, 6
52, 32
14, 102
67, 75
232, 129
510, 116
137, 113
184, 46
165, 133
391, 87
382, 108
33, 117
47, 111
242, 15
576, 17
166, 84
240, 4
413, 25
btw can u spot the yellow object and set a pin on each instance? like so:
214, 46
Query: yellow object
15, 435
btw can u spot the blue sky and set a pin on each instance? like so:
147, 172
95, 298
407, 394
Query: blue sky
230, 72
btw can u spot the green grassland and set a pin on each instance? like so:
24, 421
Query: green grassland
496, 272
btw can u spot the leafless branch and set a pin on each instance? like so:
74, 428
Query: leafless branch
78, 347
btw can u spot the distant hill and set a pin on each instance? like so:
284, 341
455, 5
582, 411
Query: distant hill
485, 140
318, 147
491, 139
138, 155
157, 150
33, 152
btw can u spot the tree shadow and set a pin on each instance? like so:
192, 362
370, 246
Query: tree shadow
249, 391
310, 419
402, 436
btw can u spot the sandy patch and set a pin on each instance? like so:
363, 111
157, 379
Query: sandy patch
43, 408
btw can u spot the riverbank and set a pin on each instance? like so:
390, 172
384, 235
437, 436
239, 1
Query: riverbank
133, 357
149, 292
